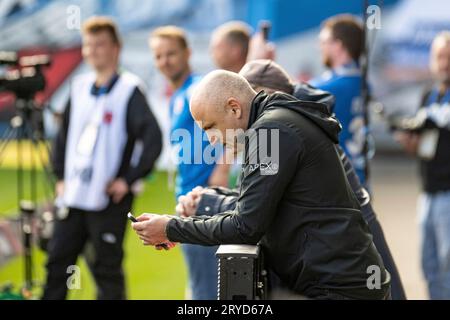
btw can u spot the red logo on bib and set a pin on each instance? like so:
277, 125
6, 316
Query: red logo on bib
107, 117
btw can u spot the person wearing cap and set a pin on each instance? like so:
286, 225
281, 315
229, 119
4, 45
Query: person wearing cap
269, 76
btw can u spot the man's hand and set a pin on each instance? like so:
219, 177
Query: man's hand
409, 141
117, 189
151, 229
259, 48
188, 204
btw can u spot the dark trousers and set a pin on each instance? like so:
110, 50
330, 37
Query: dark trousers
105, 231
397, 291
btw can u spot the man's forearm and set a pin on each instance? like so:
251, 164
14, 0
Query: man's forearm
225, 228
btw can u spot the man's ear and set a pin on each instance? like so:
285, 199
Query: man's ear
234, 107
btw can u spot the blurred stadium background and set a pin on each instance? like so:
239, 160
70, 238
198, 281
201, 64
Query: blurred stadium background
398, 72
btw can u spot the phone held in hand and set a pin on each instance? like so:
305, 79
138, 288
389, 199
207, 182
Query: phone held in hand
158, 246
131, 217
264, 27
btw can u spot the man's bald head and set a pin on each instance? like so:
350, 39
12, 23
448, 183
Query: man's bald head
221, 101
214, 91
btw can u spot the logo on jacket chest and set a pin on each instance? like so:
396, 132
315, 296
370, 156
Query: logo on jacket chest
266, 168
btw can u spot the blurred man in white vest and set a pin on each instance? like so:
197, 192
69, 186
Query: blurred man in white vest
109, 139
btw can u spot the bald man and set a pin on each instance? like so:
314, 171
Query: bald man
269, 76
296, 203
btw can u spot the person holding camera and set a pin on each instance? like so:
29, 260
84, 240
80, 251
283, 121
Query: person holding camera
427, 136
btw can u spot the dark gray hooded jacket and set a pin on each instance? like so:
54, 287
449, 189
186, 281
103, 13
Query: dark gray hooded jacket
305, 217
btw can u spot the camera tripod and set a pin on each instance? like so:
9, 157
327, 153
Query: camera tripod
26, 127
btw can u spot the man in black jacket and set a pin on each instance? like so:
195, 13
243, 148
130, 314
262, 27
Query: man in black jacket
297, 203
269, 76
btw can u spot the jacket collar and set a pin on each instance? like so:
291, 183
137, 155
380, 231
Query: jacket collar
255, 108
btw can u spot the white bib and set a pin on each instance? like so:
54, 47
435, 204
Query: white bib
96, 139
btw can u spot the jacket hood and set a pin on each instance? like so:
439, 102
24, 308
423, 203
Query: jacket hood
319, 113
305, 92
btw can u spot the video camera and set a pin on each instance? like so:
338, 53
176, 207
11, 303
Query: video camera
25, 78
241, 273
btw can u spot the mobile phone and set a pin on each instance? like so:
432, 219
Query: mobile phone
133, 219
265, 27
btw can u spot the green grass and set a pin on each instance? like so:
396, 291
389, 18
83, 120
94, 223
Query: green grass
8, 190
150, 274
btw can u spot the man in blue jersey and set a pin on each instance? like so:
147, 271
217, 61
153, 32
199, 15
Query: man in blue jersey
196, 159
341, 44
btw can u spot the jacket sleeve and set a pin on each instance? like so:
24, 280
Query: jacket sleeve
257, 204
433, 116
360, 192
58, 153
143, 127
438, 115
217, 200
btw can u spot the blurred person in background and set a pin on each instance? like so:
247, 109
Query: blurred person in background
427, 136
341, 45
229, 45
171, 54
108, 140
232, 45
